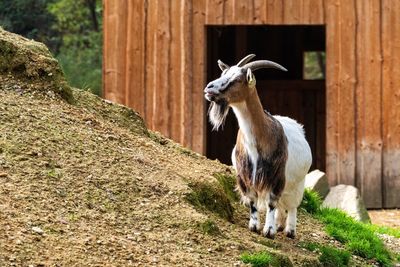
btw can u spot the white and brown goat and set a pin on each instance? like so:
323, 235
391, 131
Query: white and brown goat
271, 155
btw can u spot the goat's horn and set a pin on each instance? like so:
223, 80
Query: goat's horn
245, 60
222, 65
259, 64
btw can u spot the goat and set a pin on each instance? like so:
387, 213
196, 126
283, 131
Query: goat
271, 155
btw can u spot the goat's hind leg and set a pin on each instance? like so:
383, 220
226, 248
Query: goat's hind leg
270, 227
290, 229
254, 223
280, 218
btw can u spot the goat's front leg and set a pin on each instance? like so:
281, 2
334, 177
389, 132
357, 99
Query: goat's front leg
254, 223
269, 227
290, 229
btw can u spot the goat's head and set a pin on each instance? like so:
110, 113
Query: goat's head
234, 85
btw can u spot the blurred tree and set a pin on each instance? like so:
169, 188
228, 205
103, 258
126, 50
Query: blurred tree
31, 19
80, 24
72, 29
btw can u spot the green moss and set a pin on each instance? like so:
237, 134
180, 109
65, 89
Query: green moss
210, 196
210, 227
158, 138
269, 243
228, 183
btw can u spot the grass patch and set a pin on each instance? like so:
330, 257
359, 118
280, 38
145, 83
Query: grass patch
356, 236
311, 201
264, 258
260, 259
384, 230
359, 238
333, 257
210, 196
209, 227
329, 256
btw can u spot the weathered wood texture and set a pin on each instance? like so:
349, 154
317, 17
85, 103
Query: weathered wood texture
155, 55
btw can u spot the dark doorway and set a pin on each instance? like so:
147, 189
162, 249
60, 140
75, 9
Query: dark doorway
298, 93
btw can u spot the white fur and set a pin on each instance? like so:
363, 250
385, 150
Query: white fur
298, 163
249, 140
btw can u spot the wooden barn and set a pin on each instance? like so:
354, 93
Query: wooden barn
159, 54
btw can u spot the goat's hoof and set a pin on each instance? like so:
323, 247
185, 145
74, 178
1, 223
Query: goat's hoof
291, 234
280, 228
254, 228
269, 233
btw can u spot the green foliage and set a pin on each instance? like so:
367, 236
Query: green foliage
333, 257
82, 68
384, 230
210, 196
359, 238
210, 227
79, 22
311, 201
314, 65
260, 259
330, 256
31, 19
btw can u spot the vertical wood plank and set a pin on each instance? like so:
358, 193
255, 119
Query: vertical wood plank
161, 108
175, 72
293, 11
150, 65
391, 102
332, 100
186, 84
214, 11
198, 67
275, 11
243, 12
260, 11
369, 93
135, 56
346, 93
341, 86
313, 12
114, 57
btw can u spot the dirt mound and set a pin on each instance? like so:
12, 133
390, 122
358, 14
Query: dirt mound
86, 184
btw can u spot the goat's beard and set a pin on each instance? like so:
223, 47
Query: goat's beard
217, 113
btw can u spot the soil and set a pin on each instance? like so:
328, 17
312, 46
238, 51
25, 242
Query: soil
84, 183
389, 217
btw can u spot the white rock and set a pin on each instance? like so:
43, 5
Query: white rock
37, 230
348, 199
317, 181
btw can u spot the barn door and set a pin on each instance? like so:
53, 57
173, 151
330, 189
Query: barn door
299, 93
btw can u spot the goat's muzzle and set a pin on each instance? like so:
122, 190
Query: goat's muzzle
210, 93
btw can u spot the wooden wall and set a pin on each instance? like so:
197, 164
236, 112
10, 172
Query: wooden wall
154, 61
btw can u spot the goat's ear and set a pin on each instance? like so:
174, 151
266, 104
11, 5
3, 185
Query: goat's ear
251, 80
222, 65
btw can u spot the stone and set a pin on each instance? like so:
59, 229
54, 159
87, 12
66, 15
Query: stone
348, 199
37, 230
318, 182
